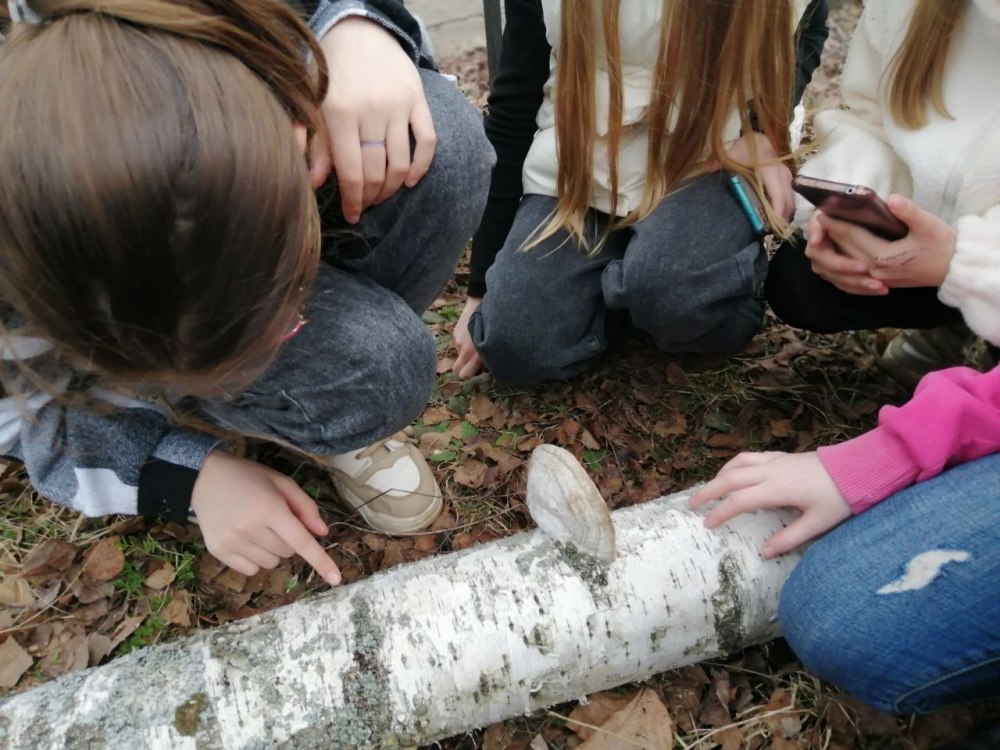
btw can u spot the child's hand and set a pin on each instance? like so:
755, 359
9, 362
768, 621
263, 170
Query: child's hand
375, 101
252, 516
753, 481
923, 257
849, 274
468, 362
774, 174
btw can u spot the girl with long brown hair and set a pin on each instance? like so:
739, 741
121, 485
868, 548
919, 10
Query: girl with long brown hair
618, 125
918, 125
168, 276
898, 601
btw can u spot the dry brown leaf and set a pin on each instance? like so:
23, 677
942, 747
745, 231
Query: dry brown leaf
14, 662
434, 442
730, 738
208, 567
437, 414
538, 743
480, 409
566, 432
508, 464
178, 610
87, 614
597, 710
470, 473
643, 723
16, 592
87, 592
392, 555
49, 558
98, 646
724, 440
781, 743
782, 428
426, 543
444, 364
498, 737
125, 628
231, 579
104, 560
673, 426
7, 618
462, 541
676, 374
66, 653
277, 582
162, 575
588, 440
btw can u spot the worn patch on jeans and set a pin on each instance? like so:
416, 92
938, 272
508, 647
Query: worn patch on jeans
923, 569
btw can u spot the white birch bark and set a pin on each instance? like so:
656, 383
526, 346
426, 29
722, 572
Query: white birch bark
431, 649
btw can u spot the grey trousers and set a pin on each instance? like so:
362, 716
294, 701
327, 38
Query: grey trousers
364, 365
690, 274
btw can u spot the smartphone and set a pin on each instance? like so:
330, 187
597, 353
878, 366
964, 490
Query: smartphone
749, 204
854, 203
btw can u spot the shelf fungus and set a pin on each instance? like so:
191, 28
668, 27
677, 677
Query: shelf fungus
566, 504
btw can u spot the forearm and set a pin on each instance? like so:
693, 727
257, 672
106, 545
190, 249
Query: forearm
390, 14
127, 460
514, 100
953, 418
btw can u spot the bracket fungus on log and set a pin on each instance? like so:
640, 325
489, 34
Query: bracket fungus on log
565, 503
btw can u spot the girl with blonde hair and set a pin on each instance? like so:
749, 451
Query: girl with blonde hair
899, 602
618, 126
919, 129
168, 276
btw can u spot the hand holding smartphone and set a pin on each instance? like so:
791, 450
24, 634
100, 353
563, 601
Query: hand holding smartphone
856, 204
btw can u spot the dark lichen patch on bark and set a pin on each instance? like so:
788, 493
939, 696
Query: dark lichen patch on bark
656, 638
365, 720
591, 570
187, 717
727, 605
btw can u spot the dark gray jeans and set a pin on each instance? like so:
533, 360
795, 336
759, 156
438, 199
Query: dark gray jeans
363, 367
690, 274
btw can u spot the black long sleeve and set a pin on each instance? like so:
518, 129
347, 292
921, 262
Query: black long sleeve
809, 41
513, 104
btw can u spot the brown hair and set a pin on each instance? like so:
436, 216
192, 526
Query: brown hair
917, 70
714, 58
157, 223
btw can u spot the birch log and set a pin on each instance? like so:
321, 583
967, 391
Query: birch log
431, 649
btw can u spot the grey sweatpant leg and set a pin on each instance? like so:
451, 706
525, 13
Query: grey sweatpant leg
363, 367
690, 274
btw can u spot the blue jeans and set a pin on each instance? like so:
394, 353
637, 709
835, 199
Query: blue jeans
690, 274
900, 606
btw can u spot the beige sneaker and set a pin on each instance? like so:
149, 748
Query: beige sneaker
389, 484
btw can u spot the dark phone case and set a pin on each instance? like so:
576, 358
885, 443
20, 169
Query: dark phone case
854, 203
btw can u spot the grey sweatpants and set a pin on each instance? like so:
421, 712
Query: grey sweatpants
690, 274
363, 367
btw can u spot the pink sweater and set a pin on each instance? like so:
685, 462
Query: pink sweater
953, 417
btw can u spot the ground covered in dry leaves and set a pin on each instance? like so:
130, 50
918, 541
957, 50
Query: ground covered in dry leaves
77, 592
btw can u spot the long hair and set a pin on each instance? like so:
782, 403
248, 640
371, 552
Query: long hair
714, 58
916, 72
157, 224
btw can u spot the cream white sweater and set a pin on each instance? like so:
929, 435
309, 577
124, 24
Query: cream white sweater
639, 29
950, 167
